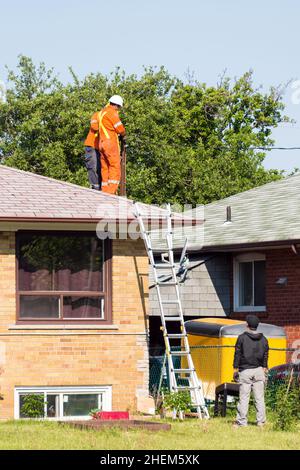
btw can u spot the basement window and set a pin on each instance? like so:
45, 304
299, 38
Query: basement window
63, 403
250, 283
63, 277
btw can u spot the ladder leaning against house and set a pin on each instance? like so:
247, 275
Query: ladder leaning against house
167, 263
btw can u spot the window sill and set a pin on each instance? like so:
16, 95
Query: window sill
63, 327
250, 310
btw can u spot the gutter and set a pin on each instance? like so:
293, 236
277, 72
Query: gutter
245, 245
159, 220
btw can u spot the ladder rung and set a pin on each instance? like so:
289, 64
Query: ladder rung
167, 283
164, 266
186, 387
177, 335
170, 302
183, 370
179, 353
172, 318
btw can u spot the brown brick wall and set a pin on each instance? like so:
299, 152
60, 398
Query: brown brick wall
79, 357
283, 302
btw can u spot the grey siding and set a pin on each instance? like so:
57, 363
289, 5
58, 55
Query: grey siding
206, 291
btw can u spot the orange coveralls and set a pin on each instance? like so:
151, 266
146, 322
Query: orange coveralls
92, 139
110, 127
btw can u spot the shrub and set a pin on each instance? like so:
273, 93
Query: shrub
179, 402
287, 406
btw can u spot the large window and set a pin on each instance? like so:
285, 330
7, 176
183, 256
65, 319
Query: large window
61, 402
249, 283
63, 277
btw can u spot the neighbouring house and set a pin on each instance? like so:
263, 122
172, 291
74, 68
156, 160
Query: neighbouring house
245, 258
73, 305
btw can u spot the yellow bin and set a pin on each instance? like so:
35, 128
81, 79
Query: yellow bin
214, 365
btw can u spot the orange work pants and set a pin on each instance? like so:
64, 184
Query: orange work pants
110, 166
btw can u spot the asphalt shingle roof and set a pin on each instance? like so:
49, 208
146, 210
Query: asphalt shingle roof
268, 213
263, 215
25, 195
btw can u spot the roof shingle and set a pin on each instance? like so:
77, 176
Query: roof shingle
27, 195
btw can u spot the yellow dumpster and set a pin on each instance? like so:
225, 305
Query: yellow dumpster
212, 342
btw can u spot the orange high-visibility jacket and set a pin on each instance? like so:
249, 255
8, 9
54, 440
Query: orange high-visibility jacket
110, 125
92, 139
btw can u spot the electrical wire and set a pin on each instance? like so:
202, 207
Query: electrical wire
274, 148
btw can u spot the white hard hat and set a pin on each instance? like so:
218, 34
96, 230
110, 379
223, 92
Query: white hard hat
116, 99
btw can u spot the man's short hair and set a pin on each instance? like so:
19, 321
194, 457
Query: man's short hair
252, 322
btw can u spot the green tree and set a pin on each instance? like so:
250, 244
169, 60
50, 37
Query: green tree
188, 143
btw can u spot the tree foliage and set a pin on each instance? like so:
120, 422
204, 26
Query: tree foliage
188, 143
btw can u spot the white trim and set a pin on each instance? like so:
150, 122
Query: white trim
104, 391
243, 258
250, 257
250, 308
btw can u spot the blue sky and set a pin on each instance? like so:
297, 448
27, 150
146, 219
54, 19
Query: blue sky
204, 36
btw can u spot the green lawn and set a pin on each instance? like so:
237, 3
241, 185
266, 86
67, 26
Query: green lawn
190, 434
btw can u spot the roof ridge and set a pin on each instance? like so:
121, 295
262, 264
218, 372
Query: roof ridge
67, 183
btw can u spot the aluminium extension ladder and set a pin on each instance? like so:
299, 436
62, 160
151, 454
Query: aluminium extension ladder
167, 263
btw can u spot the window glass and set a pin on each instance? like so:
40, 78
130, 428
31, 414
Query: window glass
52, 406
246, 286
82, 307
67, 269
32, 306
79, 405
62, 263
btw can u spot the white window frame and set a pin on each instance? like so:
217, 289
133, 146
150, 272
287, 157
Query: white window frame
248, 257
104, 391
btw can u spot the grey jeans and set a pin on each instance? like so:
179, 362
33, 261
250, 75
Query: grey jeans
93, 166
251, 379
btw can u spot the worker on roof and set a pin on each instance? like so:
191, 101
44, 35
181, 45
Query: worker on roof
110, 128
92, 154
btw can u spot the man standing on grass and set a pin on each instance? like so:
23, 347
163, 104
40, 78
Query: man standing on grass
251, 367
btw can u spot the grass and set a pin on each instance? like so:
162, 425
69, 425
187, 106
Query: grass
216, 433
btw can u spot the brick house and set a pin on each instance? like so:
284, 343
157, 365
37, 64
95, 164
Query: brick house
244, 258
74, 323
73, 310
